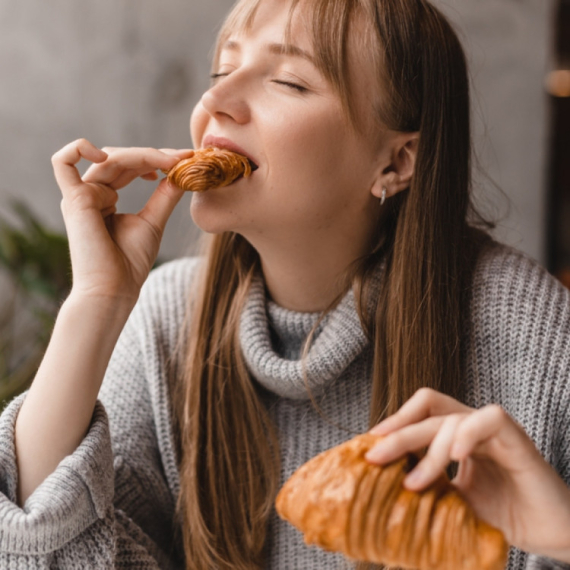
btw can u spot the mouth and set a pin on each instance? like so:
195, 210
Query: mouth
221, 142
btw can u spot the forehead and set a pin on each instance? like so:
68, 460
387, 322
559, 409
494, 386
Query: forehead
337, 33
281, 21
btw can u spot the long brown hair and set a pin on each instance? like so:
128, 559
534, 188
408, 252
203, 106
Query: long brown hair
228, 446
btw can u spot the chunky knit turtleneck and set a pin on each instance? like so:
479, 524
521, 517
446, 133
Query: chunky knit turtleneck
289, 330
272, 346
111, 503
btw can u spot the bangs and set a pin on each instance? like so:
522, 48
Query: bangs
239, 20
328, 22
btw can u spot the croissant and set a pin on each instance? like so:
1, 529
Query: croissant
343, 503
209, 168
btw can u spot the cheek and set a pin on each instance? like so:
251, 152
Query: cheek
301, 147
198, 123
313, 157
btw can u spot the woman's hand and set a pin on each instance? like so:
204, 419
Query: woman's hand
112, 254
501, 473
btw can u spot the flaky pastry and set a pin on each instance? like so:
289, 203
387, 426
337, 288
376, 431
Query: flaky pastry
343, 503
209, 168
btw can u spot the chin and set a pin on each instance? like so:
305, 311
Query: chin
210, 213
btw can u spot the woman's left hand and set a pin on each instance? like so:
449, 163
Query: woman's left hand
501, 473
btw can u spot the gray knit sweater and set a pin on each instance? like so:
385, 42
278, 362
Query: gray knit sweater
111, 503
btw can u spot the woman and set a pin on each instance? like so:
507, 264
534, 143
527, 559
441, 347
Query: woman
339, 279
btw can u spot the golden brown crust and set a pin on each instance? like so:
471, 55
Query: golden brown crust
343, 503
356, 527
209, 168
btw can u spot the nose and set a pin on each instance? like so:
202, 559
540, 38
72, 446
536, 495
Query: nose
227, 98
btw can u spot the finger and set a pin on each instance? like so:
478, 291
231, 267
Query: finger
65, 159
180, 153
126, 177
438, 456
405, 440
423, 404
122, 159
161, 205
96, 197
109, 211
484, 425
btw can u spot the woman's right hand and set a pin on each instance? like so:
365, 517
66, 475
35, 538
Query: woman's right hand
112, 254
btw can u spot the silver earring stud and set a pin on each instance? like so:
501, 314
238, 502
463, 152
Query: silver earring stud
383, 198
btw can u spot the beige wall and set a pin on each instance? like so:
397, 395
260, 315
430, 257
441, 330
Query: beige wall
127, 73
508, 46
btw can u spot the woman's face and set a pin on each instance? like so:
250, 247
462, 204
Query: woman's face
315, 171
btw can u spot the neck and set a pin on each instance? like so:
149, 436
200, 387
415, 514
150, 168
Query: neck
304, 268
304, 277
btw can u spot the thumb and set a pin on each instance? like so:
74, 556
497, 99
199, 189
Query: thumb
161, 204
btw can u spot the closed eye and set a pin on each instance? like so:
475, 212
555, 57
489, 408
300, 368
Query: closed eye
300, 88
214, 76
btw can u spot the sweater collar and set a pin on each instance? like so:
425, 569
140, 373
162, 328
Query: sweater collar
272, 338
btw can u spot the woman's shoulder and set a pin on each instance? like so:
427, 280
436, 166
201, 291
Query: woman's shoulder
517, 343
519, 325
508, 280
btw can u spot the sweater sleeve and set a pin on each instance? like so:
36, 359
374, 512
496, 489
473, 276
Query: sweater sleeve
108, 504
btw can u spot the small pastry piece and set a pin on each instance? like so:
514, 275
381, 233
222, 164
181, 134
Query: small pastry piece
209, 168
343, 503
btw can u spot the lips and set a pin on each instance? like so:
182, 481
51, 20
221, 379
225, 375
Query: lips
221, 142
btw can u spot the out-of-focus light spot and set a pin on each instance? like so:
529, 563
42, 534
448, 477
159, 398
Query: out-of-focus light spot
558, 83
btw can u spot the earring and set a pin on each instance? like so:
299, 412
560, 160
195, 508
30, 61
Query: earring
383, 198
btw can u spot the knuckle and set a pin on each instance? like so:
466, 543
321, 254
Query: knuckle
425, 394
62, 152
57, 156
496, 412
454, 418
429, 461
78, 143
394, 440
145, 162
85, 201
467, 430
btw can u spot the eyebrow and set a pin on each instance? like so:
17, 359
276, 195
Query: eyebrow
277, 49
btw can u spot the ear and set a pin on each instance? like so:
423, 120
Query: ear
401, 158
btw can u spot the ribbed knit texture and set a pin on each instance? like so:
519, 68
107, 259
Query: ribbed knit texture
338, 343
111, 503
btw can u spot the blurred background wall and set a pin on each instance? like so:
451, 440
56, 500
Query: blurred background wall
128, 72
